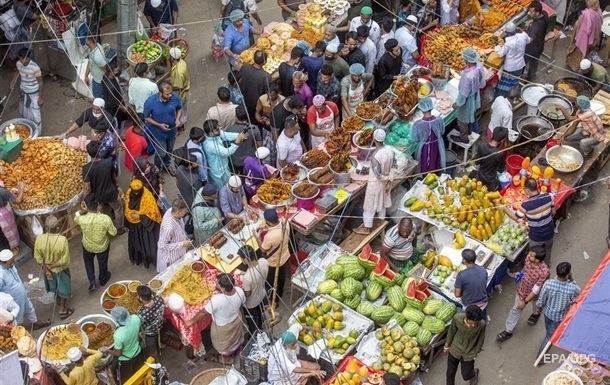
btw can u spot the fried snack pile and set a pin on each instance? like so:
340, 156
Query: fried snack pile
217, 240
51, 171
130, 302
353, 123
406, 94
305, 190
23, 131
99, 338
274, 191
445, 45
7, 344
340, 162
365, 139
315, 158
236, 225
57, 342
189, 285
338, 141
290, 173
490, 20
307, 34
509, 8
368, 110
323, 176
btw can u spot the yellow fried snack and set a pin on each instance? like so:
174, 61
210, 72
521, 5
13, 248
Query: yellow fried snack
189, 285
57, 342
274, 191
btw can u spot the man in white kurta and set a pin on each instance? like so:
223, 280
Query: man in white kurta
284, 367
377, 195
9, 310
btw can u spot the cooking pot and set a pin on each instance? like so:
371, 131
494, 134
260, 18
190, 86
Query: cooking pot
579, 85
535, 128
554, 115
531, 95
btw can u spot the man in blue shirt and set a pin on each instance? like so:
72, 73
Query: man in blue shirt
217, 154
237, 35
162, 113
311, 65
161, 12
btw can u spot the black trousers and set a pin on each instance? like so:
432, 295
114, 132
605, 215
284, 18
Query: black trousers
280, 280
532, 68
452, 366
254, 319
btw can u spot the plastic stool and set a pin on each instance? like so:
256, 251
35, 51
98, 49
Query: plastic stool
472, 138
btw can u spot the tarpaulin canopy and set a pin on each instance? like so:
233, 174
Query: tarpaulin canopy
586, 327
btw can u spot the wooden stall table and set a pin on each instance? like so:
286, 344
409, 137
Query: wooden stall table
355, 242
551, 38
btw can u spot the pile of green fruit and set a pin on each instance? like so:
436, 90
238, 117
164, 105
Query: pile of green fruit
509, 237
144, 52
398, 352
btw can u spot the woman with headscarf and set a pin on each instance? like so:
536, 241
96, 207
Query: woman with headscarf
285, 367
427, 133
354, 88
468, 101
151, 178
9, 236
227, 330
144, 223
323, 118
587, 32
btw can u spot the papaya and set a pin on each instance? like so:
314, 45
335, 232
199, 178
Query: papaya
417, 206
464, 226
461, 215
469, 214
480, 218
486, 203
433, 185
433, 199
492, 224
484, 235
444, 261
488, 229
498, 217
430, 178
459, 237
493, 195
487, 215
410, 201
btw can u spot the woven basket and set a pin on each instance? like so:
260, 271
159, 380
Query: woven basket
207, 376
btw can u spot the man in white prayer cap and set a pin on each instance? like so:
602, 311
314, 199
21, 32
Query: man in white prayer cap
84, 371
180, 79
232, 200
377, 195
9, 309
93, 115
256, 171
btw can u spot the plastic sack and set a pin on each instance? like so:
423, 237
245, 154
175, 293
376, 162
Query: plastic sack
217, 41
141, 33
176, 303
166, 30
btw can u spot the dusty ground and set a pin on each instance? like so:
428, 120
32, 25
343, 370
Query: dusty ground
507, 363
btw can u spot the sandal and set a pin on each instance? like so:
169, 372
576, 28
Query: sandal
40, 325
218, 358
533, 320
67, 314
504, 336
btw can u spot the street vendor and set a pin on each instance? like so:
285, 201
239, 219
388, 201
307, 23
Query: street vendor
355, 88
502, 112
427, 133
590, 130
284, 366
9, 236
323, 118
9, 309
406, 36
92, 116
595, 75
274, 239
207, 218
538, 210
233, 202
127, 352
290, 145
513, 52
379, 184
398, 244
490, 160
237, 36
290, 8
227, 330
389, 66
83, 372
256, 171
468, 101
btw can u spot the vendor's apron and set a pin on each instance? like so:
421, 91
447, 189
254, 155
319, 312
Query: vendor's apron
325, 125
355, 96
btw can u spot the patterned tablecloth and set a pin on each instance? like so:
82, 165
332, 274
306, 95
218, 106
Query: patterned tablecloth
515, 195
192, 336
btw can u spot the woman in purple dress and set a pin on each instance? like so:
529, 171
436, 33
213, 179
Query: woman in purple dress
427, 133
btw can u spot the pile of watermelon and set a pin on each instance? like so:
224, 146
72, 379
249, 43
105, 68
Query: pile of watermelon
346, 281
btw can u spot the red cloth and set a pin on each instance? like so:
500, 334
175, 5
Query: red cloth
535, 274
135, 145
192, 335
311, 112
515, 195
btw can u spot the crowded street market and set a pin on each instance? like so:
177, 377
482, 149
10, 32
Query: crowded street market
304, 192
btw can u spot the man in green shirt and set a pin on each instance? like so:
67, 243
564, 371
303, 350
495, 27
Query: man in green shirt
127, 351
97, 67
52, 252
597, 75
97, 229
464, 341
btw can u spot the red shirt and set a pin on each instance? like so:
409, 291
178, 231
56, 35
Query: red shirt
533, 275
135, 145
312, 113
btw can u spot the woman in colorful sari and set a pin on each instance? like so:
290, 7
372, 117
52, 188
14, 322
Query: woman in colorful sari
427, 133
144, 222
9, 236
587, 32
227, 330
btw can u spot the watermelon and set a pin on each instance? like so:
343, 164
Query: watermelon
432, 305
337, 294
350, 287
414, 315
346, 259
381, 267
433, 325
411, 328
382, 314
414, 303
334, 272
367, 259
381, 279
365, 308
421, 295
422, 285
410, 287
423, 337
446, 312
353, 302
399, 279
396, 298
326, 287
354, 271
400, 320
373, 290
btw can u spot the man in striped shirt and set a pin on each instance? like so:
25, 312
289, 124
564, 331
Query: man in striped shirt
556, 297
31, 87
173, 242
538, 210
398, 244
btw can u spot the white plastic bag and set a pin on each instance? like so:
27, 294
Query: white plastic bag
141, 33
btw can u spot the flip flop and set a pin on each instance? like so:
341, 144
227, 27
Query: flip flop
40, 325
533, 320
222, 360
67, 314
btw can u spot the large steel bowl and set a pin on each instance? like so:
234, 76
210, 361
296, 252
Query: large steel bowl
548, 107
580, 86
32, 127
427, 85
43, 336
532, 93
564, 158
535, 128
302, 175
